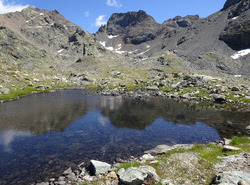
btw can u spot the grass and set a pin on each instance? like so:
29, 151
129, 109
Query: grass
241, 142
13, 94
127, 165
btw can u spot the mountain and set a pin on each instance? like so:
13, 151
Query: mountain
50, 31
207, 44
41, 48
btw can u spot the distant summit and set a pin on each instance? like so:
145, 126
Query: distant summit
136, 27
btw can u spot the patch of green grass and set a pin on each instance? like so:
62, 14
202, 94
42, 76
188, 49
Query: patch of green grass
127, 165
237, 99
209, 152
13, 94
241, 142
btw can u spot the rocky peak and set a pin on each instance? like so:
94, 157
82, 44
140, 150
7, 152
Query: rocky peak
120, 22
230, 3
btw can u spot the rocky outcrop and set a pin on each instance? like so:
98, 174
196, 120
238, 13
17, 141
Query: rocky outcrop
136, 27
230, 3
238, 29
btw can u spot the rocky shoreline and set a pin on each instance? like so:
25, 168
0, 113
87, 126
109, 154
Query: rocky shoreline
146, 169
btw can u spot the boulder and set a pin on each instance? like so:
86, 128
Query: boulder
218, 97
147, 157
231, 177
67, 172
98, 167
138, 176
235, 89
230, 148
226, 141
112, 178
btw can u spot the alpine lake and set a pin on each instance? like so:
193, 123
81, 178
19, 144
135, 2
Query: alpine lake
41, 135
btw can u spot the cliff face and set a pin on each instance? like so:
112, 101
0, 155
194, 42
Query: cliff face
237, 30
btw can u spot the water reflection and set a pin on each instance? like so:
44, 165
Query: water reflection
7, 137
43, 134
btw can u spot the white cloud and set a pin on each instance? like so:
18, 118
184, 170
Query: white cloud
100, 21
87, 14
113, 3
10, 7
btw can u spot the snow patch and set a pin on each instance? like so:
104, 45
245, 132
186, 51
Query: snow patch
235, 18
120, 52
103, 43
112, 36
240, 53
237, 76
39, 27
148, 46
59, 51
41, 14
31, 19
65, 27
142, 53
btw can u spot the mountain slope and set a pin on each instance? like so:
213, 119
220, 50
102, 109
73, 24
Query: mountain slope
206, 44
50, 31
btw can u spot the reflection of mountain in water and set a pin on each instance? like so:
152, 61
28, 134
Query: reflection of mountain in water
138, 115
48, 112
42, 113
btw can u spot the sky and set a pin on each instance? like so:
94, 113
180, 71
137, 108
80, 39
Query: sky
91, 14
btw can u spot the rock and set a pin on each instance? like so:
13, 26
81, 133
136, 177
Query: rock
61, 178
132, 176
161, 149
137, 176
218, 97
226, 141
87, 178
5, 91
248, 128
241, 182
98, 167
111, 176
71, 177
230, 148
60, 183
235, 89
147, 157
166, 182
152, 88
112, 179
231, 177
42, 183
68, 171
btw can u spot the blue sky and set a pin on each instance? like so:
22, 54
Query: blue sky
90, 14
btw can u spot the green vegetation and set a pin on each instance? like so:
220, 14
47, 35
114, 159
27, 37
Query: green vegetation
13, 94
127, 165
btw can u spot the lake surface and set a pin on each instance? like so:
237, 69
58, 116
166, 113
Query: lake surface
41, 135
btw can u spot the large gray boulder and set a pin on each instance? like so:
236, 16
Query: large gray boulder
137, 176
231, 177
98, 167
